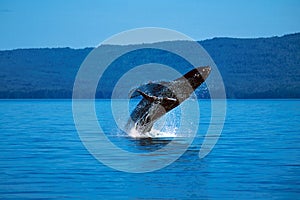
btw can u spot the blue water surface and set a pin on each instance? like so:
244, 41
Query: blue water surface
256, 157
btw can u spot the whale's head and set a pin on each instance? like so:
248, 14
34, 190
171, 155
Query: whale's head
197, 76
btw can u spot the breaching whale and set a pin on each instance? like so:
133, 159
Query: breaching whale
159, 98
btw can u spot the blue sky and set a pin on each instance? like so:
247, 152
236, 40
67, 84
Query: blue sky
77, 24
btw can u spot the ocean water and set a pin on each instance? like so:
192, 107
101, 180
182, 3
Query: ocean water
256, 157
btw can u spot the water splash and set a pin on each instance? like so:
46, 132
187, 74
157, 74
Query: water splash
134, 133
166, 127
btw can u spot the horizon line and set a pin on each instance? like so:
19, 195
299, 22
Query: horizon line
87, 47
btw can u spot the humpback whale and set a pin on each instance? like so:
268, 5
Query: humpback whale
159, 98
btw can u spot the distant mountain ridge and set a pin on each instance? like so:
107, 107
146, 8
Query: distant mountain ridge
251, 68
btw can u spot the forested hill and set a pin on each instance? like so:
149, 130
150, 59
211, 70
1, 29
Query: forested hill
251, 68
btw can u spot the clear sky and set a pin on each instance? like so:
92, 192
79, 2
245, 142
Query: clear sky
86, 23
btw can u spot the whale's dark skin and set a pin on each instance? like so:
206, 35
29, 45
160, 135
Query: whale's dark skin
160, 98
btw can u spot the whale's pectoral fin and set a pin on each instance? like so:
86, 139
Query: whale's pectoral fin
170, 99
149, 88
146, 96
133, 93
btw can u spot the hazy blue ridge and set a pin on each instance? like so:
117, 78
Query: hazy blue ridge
251, 68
